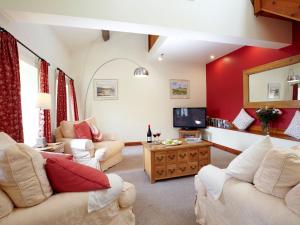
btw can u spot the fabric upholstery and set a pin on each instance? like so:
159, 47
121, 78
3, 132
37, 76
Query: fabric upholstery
278, 172
67, 129
82, 130
44, 88
23, 176
243, 120
6, 139
241, 203
6, 206
70, 209
111, 161
69, 176
293, 129
10, 88
111, 148
47, 155
245, 165
292, 199
128, 195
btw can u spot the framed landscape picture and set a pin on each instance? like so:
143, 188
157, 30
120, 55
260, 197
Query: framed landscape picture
274, 90
179, 88
105, 89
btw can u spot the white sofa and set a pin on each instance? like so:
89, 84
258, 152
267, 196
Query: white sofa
241, 204
111, 149
23, 179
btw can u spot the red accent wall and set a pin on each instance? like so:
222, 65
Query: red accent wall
224, 79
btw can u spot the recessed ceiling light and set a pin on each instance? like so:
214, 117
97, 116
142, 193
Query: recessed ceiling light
212, 57
161, 57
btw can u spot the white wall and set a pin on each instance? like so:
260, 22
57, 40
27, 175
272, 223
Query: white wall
141, 101
43, 41
241, 140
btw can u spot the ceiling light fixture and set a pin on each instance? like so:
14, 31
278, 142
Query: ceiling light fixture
161, 57
212, 57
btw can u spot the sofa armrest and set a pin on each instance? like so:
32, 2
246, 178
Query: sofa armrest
81, 144
66, 141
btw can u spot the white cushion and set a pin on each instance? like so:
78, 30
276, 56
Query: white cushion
243, 120
293, 129
292, 199
279, 172
245, 165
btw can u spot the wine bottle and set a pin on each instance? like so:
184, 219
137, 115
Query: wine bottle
149, 134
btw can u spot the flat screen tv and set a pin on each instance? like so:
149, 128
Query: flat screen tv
189, 118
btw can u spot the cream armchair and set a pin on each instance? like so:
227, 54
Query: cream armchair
108, 151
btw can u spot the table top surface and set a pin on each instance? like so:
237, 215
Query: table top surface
154, 146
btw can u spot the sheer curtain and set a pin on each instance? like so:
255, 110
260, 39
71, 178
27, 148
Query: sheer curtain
73, 100
10, 88
61, 102
44, 88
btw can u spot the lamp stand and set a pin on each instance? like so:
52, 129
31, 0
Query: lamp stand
41, 141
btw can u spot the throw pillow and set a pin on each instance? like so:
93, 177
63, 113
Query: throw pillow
278, 172
292, 199
293, 129
22, 175
83, 131
69, 176
245, 165
97, 136
6, 206
243, 120
67, 129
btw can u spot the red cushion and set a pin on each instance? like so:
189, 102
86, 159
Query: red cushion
47, 155
68, 176
82, 130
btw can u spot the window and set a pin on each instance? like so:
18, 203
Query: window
29, 90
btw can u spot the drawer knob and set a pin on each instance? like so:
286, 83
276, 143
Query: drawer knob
203, 153
193, 154
182, 155
171, 170
160, 172
182, 169
160, 158
193, 167
171, 157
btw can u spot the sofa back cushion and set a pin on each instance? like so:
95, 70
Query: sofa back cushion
6, 206
278, 172
22, 175
245, 165
67, 129
292, 199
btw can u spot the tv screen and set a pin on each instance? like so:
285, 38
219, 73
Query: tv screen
189, 118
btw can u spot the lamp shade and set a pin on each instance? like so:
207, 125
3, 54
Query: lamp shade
141, 72
43, 101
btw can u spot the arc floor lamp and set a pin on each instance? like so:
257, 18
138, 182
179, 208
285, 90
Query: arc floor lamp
138, 72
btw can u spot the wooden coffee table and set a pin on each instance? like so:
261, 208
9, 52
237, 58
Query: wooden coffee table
163, 162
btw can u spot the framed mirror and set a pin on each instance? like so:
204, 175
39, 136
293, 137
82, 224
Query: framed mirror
276, 84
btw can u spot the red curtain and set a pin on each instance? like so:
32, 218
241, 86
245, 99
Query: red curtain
295, 92
73, 99
10, 88
61, 113
44, 88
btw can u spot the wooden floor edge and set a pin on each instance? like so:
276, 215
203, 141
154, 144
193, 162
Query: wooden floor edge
226, 149
135, 143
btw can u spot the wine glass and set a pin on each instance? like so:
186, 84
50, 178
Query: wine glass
154, 137
158, 133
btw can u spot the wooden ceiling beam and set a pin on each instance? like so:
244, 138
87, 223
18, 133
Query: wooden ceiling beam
284, 9
151, 41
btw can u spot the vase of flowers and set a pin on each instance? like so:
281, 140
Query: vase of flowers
267, 115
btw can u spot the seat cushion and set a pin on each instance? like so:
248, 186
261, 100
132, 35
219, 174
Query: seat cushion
6, 206
22, 175
67, 129
69, 176
292, 199
110, 148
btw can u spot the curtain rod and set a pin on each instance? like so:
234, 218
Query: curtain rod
2, 29
65, 73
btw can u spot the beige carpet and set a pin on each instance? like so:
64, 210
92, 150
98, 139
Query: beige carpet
168, 202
